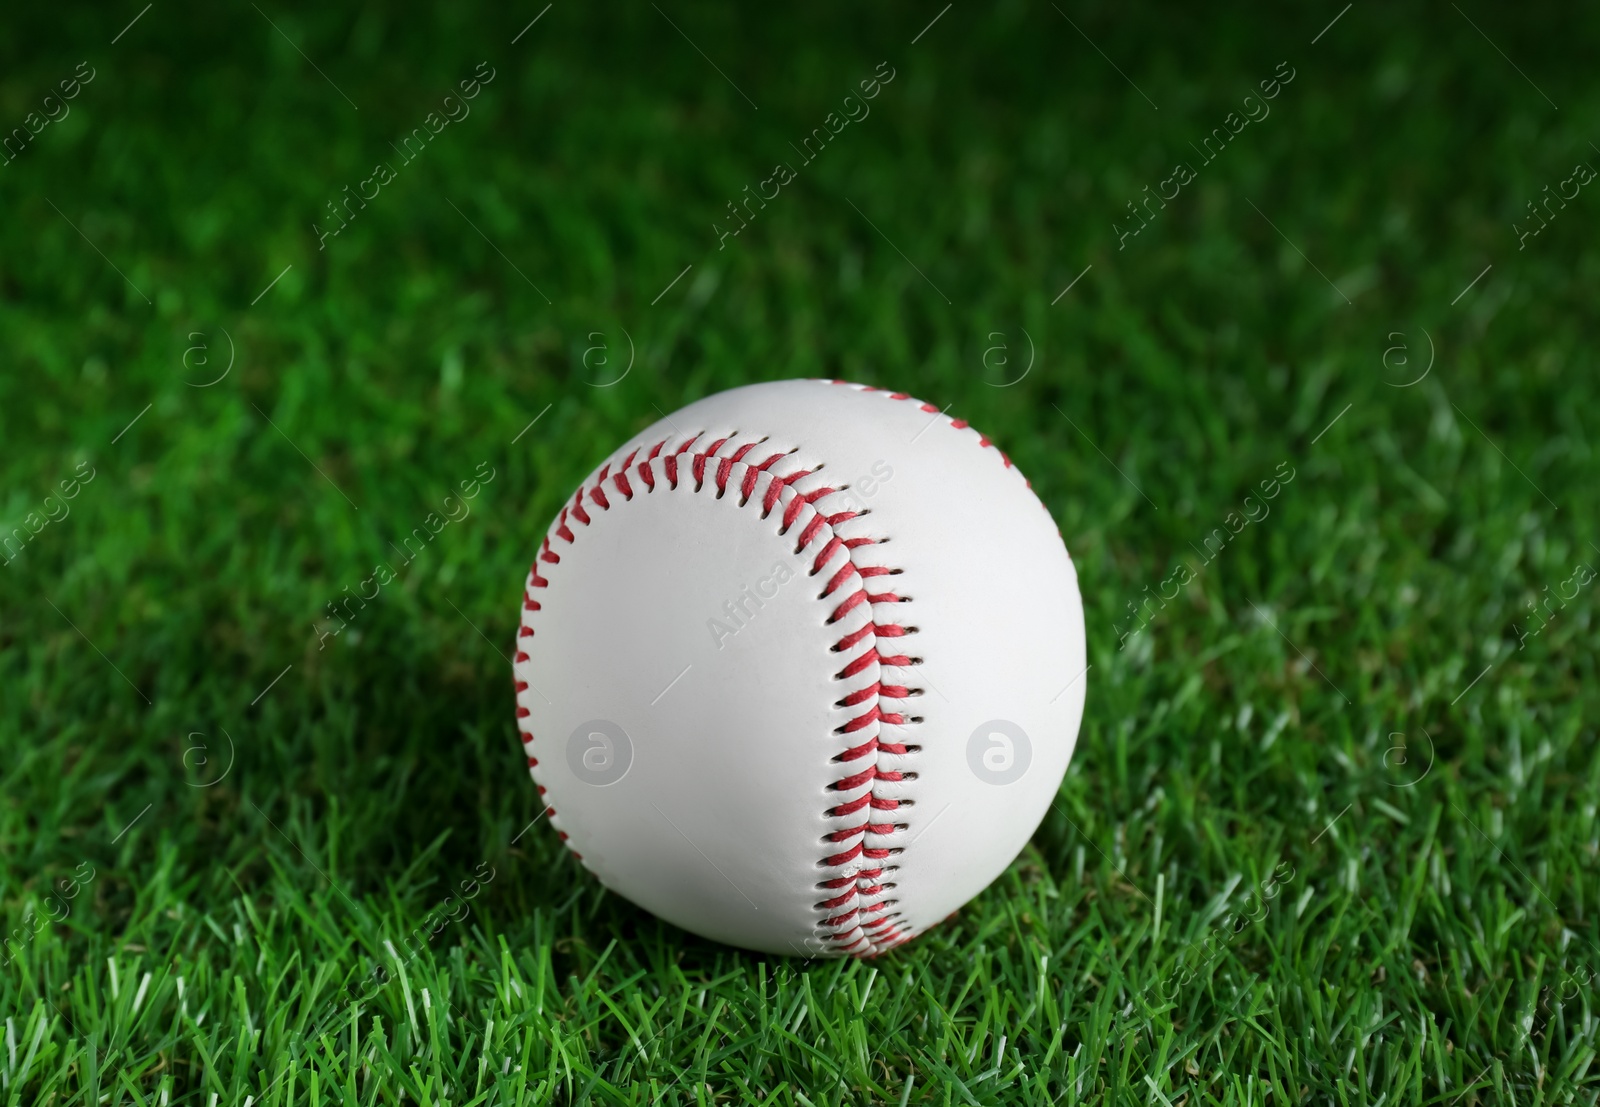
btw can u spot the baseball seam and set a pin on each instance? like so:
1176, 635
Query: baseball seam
855, 916
857, 919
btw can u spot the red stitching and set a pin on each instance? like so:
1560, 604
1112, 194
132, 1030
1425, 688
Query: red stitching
621, 479
875, 928
859, 663
851, 783
791, 513
856, 599
955, 424
817, 524
867, 701
854, 698
884, 935
861, 874
834, 546
871, 715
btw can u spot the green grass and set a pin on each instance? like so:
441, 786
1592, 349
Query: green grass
1301, 707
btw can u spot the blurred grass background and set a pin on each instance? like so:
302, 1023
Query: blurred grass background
215, 832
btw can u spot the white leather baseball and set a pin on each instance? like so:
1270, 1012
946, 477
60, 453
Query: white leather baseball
801, 667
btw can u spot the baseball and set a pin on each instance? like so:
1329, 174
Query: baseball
800, 667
